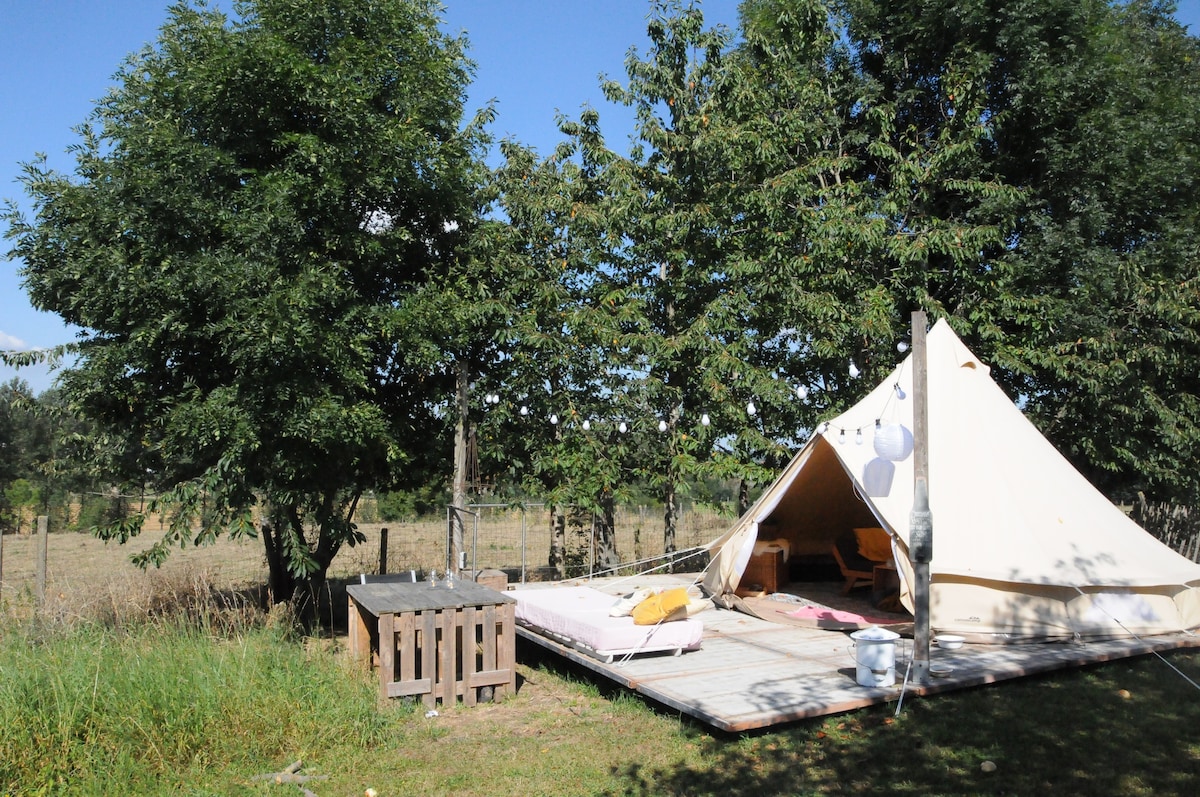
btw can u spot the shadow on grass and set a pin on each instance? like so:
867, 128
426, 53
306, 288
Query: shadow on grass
1066, 734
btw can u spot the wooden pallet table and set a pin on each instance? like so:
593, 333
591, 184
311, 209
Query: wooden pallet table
438, 643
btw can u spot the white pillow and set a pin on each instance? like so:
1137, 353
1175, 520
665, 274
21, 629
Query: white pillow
624, 606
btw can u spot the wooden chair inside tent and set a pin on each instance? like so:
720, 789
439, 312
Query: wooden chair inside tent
858, 552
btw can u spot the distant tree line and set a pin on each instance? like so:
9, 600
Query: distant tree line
298, 281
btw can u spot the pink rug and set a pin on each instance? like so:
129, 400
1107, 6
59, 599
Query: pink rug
824, 617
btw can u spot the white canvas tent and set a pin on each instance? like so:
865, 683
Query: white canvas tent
1024, 547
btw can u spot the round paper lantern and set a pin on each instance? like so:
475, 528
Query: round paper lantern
893, 442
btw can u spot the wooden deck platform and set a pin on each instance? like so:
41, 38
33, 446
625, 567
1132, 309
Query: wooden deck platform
750, 673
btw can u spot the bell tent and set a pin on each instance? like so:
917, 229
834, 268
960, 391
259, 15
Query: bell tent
1024, 547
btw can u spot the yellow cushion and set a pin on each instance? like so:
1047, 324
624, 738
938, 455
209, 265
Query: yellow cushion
669, 604
874, 544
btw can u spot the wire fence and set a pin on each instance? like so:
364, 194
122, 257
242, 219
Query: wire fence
519, 540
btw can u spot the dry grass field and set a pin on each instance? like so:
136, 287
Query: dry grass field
86, 577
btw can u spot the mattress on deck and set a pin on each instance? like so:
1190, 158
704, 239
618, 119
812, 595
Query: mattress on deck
581, 615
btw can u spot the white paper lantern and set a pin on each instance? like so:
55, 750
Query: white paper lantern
877, 477
893, 442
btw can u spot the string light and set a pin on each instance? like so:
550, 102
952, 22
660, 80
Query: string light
751, 410
662, 426
705, 420
825, 427
841, 436
554, 419
801, 392
586, 424
524, 410
900, 394
622, 427
854, 372
902, 346
858, 437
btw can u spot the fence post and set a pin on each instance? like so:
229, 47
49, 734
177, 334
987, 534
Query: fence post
383, 535
43, 532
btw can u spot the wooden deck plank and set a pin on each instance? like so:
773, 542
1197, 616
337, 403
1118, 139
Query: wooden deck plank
750, 673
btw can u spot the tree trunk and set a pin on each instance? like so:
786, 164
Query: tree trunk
281, 585
670, 519
606, 556
743, 498
558, 540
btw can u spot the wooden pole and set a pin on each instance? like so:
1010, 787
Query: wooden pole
383, 535
43, 543
454, 531
920, 526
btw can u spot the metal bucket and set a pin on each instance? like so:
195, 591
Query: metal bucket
875, 656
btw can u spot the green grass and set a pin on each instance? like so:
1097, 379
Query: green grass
169, 709
179, 705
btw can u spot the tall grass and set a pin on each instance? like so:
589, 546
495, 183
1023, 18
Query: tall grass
167, 707
171, 687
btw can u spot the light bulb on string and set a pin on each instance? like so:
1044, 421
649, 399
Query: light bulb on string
825, 427
858, 437
622, 427
854, 372
662, 426
705, 420
900, 394
586, 424
751, 410
801, 392
841, 436
554, 419
902, 346
524, 410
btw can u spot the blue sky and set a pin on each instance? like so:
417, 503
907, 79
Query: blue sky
534, 57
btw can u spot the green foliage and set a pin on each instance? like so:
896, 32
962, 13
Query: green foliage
170, 708
255, 211
411, 504
1085, 120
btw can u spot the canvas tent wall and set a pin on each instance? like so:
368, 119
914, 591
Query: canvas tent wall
1024, 546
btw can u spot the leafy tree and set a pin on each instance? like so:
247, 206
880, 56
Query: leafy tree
258, 212
1090, 308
